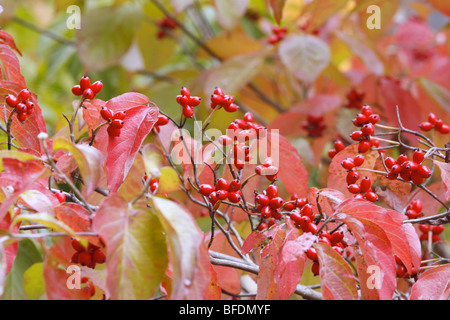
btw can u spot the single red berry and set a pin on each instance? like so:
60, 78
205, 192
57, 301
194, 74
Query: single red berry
424, 227
437, 229
423, 171
354, 188
97, 86
262, 199
106, 113
85, 83
332, 153
432, 118
119, 115
88, 94
22, 117
272, 191
358, 160
366, 110
23, 95
84, 258
307, 211
222, 184
315, 268
368, 129
352, 176
234, 197
235, 185
188, 111
365, 184
426, 126
339, 145
222, 194
418, 156
11, 100
117, 124
364, 146
312, 227
276, 202
444, 129
98, 256
113, 132
348, 164
371, 196
61, 196
162, 120
402, 158
206, 189
374, 119
311, 253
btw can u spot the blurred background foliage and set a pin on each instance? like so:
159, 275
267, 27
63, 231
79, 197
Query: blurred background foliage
118, 42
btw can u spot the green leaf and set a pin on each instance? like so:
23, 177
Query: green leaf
46, 220
136, 249
106, 34
33, 280
185, 240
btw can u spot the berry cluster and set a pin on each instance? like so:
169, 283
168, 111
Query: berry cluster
363, 190
188, 102
222, 190
153, 184
89, 256
267, 169
402, 272
355, 99
315, 125
279, 33
436, 123
221, 100
338, 146
246, 123
334, 239
22, 104
409, 170
86, 89
165, 25
115, 120
435, 231
162, 121
366, 121
268, 203
414, 209
88, 286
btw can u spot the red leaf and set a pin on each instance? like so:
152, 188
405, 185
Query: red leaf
404, 243
433, 284
445, 176
375, 254
277, 7
291, 263
337, 279
122, 150
292, 173
19, 176
6, 38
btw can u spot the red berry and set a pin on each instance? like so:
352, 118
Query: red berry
354, 188
188, 111
348, 164
222, 194
424, 227
117, 124
272, 191
97, 86
332, 153
366, 110
374, 119
358, 160
77, 245
315, 268
22, 117
311, 253
423, 171
276, 202
368, 129
432, 118
426, 126
84, 258
85, 83
162, 120
352, 177
418, 156
364, 146
113, 132
98, 256
106, 113
365, 184
222, 184
206, 189
88, 94
371, 196
61, 196
234, 197
262, 199
11, 100
23, 95
437, 229
235, 185
307, 211
444, 129
119, 115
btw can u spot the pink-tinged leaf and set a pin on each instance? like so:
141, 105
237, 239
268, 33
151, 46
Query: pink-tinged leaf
18, 177
291, 170
191, 276
374, 258
305, 55
10, 66
88, 158
56, 274
445, 176
393, 95
404, 243
291, 263
77, 218
122, 150
91, 113
6, 38
277, 8
433, 284
337, 279
10, 250
136, 253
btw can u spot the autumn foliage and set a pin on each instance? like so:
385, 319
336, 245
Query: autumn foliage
279, 151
